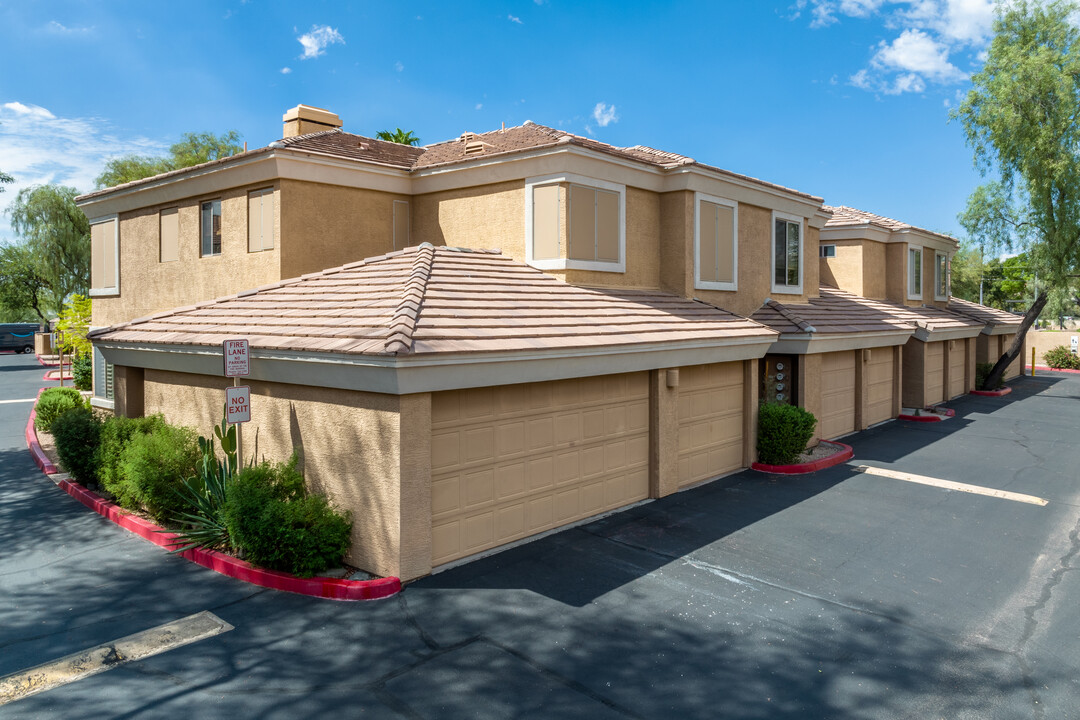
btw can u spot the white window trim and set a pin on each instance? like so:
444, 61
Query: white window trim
393, 210
566, 263
115, 289
909, 278
822, 253
700, 284
262, 248
945, 271
786, 289
220, 200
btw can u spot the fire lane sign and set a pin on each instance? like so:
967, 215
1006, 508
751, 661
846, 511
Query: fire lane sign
236, 358
238, 404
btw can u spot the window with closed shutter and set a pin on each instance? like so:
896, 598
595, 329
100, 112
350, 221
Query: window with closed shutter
261, 220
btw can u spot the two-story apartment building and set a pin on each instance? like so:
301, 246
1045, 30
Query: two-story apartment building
486, 338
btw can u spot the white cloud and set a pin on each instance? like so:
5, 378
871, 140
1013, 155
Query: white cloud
37, 147
317, 39
286, 70
398, 66
916, 52
604, 114
61, 29
513, 19
479, 106
909, 82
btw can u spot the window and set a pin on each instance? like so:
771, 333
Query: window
169, 229
716, 244
828, 251
210, 226
401, 224
914, 273
941, 276
104, 256
103, 377
574, 222
260, 221
787, 253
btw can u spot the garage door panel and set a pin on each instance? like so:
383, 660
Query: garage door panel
837, 394
957, 357
879, 385
935, 372
511, 462
710, 421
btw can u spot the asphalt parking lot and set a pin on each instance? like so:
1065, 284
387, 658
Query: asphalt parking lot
836, 595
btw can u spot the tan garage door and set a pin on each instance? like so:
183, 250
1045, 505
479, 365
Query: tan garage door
879, 385
837, 394
957, 363
710, 421
516, 460
935, 372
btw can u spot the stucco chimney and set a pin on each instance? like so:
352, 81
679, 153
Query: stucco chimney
304, 119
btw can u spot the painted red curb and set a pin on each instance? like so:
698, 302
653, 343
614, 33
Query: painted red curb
40, 458
803, 468
321, 587
1047, 368
42, 363
46, 377
947, 412
992, 393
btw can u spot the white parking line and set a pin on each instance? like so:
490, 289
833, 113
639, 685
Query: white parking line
950, 485
105, 657
5, 402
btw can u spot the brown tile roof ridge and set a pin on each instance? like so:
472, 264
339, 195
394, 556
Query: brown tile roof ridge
407, 314
790, 316
924, 316
982, 313
845, 216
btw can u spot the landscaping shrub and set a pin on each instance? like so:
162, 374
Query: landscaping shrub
1061, 358
152, 467
277, 525
982, 370
116, 433
77, 433
82, 371
53, 403
783, 432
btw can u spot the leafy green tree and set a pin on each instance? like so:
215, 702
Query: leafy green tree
193, 149
402, 137
1022, 120
57, 235
965, 272
74, 323
5, 179
24, 293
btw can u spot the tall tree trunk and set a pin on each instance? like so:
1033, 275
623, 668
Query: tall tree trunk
1005, 360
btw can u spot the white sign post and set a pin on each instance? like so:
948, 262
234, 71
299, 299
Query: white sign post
1073, 344
238, 397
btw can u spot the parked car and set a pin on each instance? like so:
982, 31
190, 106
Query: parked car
17, 336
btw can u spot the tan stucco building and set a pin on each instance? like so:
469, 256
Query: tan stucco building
483, 339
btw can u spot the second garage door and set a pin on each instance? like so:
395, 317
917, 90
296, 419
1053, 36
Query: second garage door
957, 363
879, 385
710, 421
837, 394
935, 373
513, 461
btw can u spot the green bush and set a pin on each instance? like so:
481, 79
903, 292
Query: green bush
1061, 358
783, 432
53, 403
152, 467
277, 525
116, 433
982, 371
82, 371
77, 433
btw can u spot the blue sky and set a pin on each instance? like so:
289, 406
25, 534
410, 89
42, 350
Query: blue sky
846, 99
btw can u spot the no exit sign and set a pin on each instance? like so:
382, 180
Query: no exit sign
236, 358
238, 404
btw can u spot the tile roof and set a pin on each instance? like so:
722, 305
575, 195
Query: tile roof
982, 313
426, 300
832, 313
843, 216
926, 317
467, 147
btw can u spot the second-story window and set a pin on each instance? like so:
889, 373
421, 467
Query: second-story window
210, 226
941, 277
594, 224
914, 273
716, 249
574, 222
787, 253
260, 220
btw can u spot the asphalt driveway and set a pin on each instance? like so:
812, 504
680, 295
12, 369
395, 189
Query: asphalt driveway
836, 595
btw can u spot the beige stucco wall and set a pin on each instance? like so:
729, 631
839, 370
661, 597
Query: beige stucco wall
480, 217
1043, 340
873, 273
642, 247
844, 271
896, 273
324, 226
148, 285
368, 452
676, 251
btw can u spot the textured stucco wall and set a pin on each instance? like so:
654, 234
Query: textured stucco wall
844, 271
873, 271
350, 443
148, 285
677, 243
896, 273
480, 217
324, 226
1041, 340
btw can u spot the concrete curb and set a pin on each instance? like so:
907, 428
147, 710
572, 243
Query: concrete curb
844, 455
947, 412
321, 587
42, 363
992, 393
1047, 368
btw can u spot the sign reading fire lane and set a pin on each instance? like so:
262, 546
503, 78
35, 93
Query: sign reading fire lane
236, 358
238, 404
